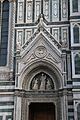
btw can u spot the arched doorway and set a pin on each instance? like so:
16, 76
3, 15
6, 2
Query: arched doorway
39, 96
42, 111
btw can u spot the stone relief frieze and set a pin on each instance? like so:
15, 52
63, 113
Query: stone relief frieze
42, 81
4, 76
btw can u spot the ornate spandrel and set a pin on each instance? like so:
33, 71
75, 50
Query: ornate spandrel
42, 81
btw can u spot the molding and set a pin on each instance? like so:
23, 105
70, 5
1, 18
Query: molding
38, 94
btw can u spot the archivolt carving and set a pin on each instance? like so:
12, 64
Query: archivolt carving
42, 81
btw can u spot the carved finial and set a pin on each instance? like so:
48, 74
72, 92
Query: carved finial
41, 23
41, 20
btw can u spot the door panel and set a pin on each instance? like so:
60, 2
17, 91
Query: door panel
42, 111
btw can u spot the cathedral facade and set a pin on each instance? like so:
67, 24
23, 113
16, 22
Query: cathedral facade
39, 59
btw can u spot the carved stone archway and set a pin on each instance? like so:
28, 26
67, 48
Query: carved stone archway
41, 84
41, 67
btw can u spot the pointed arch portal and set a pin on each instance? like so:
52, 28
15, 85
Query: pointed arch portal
40, 94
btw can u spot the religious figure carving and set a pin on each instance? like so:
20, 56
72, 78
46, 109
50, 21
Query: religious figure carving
43, 82
48, 85
35, 86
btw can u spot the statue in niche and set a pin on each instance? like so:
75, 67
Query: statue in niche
43, 82
48, 85
35, 86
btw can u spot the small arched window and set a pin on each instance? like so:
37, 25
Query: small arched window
75, 5
76, 34
78, 112
4, 33
77, 64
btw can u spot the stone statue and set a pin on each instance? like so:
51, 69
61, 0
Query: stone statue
43, 82
48, 85
35, 86
18, 45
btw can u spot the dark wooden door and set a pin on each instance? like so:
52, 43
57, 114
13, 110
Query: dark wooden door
42, 111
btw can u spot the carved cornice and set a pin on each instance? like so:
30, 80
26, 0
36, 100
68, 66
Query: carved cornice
43, 94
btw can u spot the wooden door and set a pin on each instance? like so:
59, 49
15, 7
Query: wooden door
42, 111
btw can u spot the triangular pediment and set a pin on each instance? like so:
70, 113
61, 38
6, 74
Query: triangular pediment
41, 45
